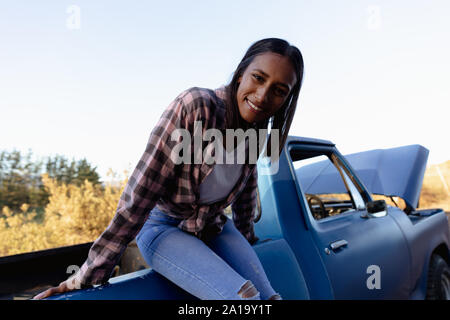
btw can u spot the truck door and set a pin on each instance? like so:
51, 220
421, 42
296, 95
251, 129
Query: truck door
366, 256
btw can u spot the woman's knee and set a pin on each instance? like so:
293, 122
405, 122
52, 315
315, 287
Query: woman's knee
248, 291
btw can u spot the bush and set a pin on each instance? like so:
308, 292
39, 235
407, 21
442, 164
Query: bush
74, 215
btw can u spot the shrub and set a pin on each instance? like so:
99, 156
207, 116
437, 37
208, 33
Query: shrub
74, 215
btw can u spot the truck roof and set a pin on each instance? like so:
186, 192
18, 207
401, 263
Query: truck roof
309, 140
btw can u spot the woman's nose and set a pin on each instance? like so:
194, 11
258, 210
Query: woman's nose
261, 95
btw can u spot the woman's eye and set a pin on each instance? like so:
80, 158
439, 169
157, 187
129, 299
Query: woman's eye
280, 92
258, 78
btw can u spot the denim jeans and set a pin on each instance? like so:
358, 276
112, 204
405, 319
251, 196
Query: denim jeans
218, 269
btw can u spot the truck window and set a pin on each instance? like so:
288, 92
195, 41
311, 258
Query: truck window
326, 185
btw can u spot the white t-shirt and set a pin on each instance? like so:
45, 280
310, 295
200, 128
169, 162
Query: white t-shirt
221, 180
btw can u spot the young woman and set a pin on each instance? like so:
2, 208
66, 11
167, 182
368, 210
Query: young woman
176, 209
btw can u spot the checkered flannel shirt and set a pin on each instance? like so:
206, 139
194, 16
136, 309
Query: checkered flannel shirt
174, 188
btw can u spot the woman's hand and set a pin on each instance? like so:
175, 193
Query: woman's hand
63, 287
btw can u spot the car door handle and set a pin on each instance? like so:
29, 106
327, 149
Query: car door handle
338, 244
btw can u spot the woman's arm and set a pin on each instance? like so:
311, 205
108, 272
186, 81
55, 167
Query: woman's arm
150, 180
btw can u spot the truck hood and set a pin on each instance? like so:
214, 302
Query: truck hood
395, 172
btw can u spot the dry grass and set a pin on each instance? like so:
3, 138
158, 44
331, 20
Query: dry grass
74, 214
435, 190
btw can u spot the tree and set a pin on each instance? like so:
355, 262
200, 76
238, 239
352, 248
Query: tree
84, 171
21, 182
76, 172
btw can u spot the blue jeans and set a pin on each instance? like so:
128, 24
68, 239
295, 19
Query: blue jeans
224, 268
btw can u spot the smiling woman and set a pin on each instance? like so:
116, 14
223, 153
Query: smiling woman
176, 210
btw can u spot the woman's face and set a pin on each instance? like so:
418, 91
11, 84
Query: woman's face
265, 86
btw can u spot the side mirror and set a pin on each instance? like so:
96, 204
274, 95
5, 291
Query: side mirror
376, 209
376, 206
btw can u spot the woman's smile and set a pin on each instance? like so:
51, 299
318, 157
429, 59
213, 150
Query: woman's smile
253, 107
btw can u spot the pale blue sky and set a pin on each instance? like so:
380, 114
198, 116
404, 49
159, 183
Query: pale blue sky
376, 72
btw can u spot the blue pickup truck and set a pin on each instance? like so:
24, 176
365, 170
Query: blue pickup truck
322, 234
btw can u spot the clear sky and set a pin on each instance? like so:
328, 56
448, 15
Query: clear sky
90, 78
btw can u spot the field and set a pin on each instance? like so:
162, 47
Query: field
436, 184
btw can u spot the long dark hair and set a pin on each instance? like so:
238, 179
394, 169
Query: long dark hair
282, 119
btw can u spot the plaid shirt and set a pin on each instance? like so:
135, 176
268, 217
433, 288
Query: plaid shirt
157, 180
